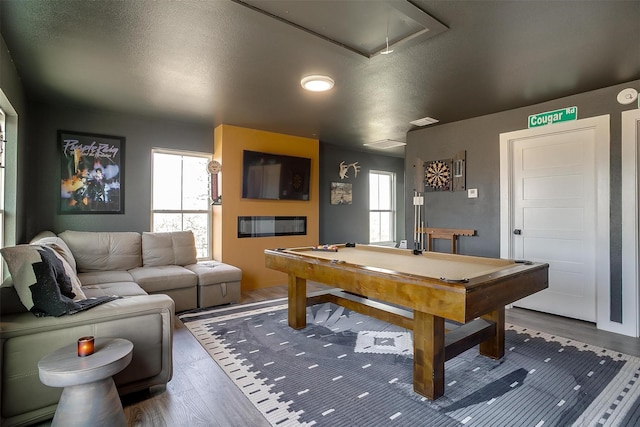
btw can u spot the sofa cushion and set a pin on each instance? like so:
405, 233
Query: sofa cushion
104, 251
41, 279
172, 248
102, 277
123, 289
213, 272
158, 279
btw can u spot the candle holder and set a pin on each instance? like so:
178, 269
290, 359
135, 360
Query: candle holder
86, 346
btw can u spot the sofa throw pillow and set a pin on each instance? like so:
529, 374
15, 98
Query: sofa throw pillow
40, 279
61, 248
64, 253
76, 285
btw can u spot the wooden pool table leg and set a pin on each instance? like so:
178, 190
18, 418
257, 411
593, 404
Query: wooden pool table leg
428, 355
494, 347
297, 302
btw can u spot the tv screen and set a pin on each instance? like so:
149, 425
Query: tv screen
275, 176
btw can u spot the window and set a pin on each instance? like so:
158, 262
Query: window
382, 212
3, 142
181, 196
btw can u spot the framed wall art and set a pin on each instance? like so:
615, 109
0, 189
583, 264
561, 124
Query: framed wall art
341, 193
91, 173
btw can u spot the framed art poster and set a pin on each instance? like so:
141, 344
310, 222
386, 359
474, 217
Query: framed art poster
341, 193
91, 173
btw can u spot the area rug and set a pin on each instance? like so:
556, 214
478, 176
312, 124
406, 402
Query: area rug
347, 369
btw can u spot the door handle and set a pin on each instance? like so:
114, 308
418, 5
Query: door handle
517, 231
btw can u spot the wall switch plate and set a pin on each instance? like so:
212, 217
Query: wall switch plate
472, 193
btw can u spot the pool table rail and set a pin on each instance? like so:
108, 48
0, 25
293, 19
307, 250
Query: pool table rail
461, 302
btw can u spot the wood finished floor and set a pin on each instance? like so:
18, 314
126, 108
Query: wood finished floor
200, 394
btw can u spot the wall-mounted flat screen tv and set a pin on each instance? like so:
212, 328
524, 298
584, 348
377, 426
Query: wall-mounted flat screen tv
275, 176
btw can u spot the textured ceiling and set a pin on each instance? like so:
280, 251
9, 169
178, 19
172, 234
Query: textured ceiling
364, 27
218, 61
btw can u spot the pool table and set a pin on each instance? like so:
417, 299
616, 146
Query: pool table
421, 292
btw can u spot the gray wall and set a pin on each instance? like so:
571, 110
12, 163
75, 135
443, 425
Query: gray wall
141, 133
337, 223
350, 223
480, 137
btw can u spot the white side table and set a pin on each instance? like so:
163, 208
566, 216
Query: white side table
89, 397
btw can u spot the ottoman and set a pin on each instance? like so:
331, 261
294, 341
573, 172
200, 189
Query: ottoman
218, 283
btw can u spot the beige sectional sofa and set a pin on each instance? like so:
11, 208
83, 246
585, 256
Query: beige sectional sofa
161, 263
155, 273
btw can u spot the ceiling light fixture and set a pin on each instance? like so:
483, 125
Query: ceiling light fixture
424, 121
385, 144
317, 83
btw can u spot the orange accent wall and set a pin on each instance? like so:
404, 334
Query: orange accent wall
248, 253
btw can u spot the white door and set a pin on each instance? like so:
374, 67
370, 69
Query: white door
555, 211
630, 225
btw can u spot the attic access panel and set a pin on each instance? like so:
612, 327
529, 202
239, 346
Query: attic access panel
359, 26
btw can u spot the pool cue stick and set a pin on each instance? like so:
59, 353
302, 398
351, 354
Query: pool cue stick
418, 201
415, 219
417, 216
418, 237
416, 222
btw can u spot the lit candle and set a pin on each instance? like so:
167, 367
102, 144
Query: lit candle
85, 346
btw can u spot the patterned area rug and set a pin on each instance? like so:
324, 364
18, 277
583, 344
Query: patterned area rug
347, 369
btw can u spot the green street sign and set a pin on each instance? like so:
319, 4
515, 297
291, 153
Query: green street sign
549, 117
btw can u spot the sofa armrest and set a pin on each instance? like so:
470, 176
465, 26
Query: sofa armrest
26, 323
146, 320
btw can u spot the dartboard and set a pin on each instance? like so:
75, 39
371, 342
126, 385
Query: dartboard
438, 174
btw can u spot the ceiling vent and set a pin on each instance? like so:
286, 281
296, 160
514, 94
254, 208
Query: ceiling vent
385, 144
424, 121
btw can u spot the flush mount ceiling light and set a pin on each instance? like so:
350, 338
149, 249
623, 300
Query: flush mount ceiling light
317, 83
424, 121
385, 144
